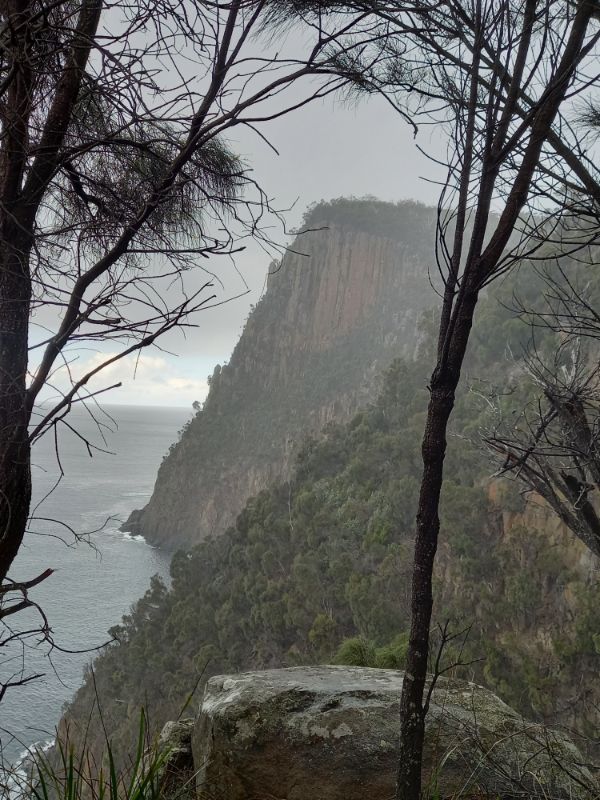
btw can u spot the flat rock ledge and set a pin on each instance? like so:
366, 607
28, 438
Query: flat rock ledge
331, 733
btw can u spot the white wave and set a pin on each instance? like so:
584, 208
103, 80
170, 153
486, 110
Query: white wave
15, 779
134, 537
111, 530
41, 746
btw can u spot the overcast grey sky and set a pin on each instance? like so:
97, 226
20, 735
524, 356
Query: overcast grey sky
328, 149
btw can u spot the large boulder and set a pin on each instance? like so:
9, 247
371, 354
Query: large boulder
331, 733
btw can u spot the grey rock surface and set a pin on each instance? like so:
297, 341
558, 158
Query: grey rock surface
330, 733
177, 774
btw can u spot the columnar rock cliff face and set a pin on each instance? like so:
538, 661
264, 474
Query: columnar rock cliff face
344, 302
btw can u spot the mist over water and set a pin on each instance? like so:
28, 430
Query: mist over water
92, 587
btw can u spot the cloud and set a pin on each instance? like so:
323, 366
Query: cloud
145, 379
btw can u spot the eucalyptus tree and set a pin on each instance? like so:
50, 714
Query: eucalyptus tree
502, 80
116, 185
503, 77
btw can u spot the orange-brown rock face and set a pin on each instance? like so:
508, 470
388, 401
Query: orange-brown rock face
341, 307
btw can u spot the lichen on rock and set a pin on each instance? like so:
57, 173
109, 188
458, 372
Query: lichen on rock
176, 775
330, 732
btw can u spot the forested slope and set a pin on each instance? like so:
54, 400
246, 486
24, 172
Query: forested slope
325, 557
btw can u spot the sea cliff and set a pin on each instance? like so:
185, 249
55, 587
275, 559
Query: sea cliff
345, 300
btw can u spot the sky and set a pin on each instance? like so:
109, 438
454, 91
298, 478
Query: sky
326, 150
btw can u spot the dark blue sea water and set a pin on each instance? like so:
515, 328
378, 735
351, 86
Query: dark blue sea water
92, 587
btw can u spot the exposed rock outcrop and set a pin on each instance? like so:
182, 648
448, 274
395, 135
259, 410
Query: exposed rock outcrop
327, 733
176, 775
345, 301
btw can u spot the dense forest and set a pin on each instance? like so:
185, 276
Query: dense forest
317, 568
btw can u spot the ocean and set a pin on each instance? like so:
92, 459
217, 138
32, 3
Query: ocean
93, 584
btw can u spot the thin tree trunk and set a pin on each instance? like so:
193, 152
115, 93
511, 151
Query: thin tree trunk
15, 292
15, 471
444, 382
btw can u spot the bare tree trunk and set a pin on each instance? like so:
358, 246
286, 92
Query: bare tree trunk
15, 293
444, 382
15, 472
